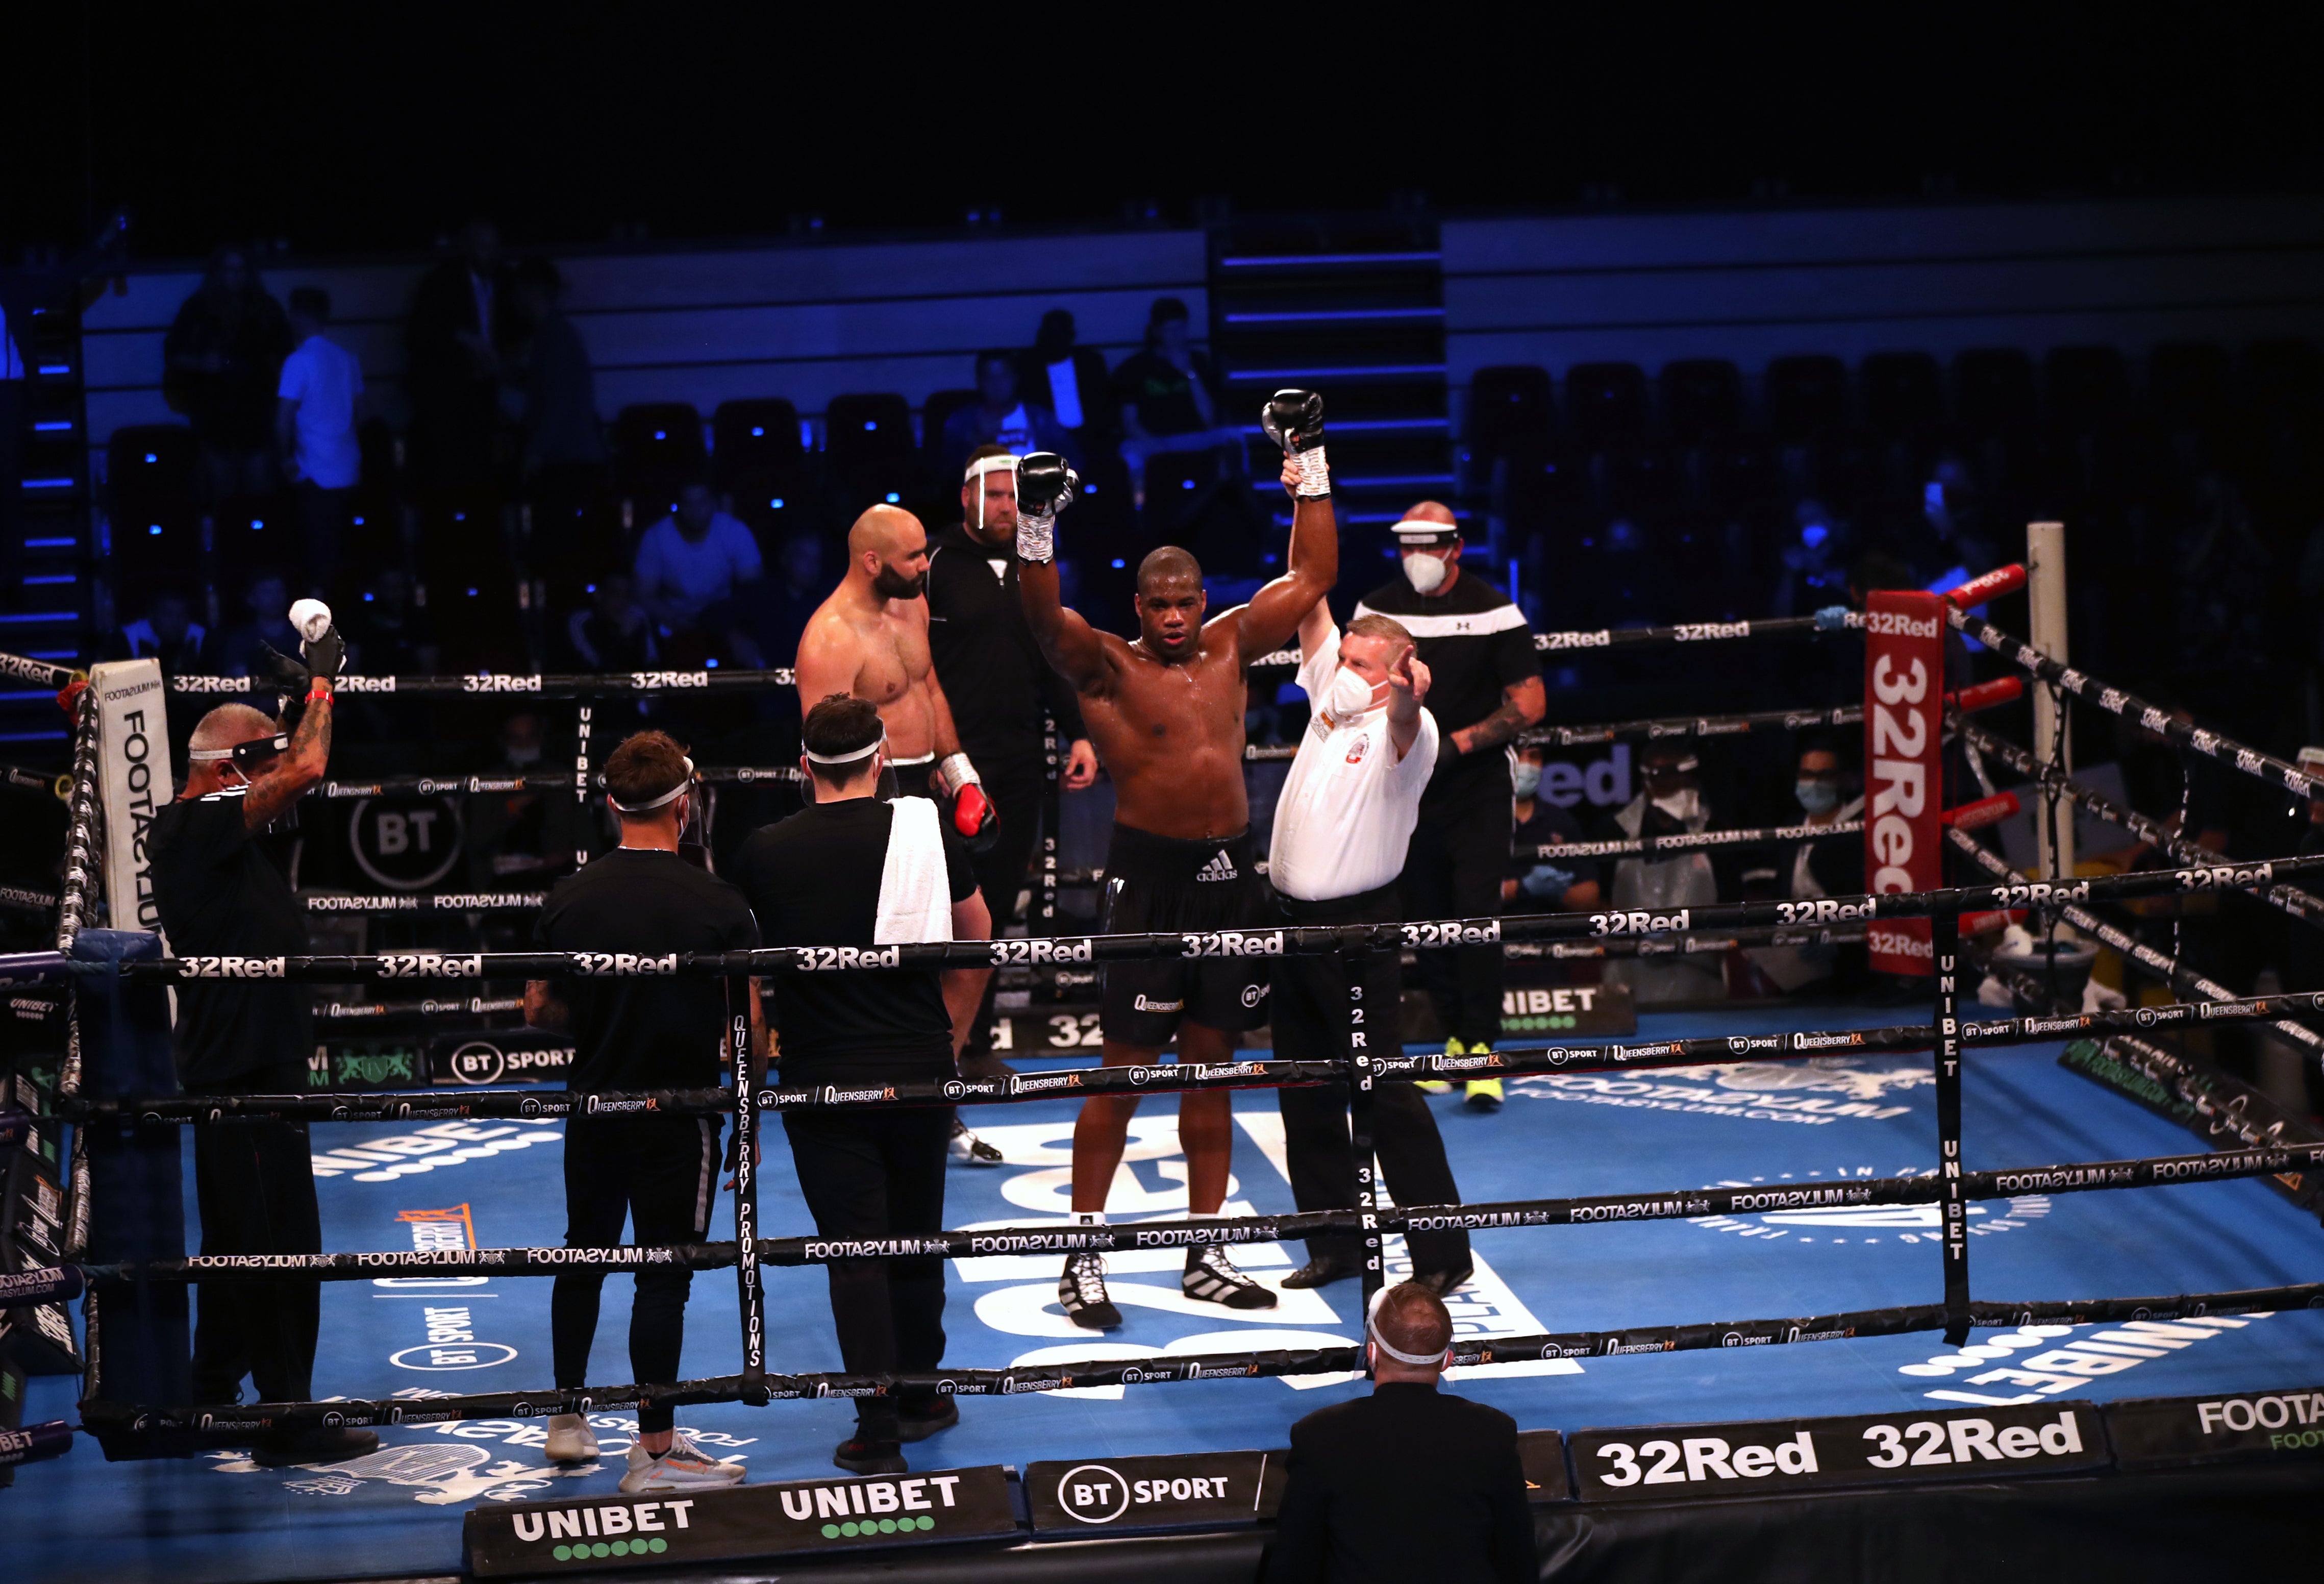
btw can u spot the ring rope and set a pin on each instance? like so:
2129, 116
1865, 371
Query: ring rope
243, 1421
373, 1106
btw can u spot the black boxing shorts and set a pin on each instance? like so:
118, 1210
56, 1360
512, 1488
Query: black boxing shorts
908, 778
1159, 885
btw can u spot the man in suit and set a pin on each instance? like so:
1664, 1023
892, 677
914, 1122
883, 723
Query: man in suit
1409, 1482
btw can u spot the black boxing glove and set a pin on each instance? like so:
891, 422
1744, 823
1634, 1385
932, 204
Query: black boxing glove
278, 670
326, 655
1293, 420
1045, 487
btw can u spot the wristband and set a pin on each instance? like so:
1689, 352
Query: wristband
956, 771
1314, 474
1037, 538
318, 688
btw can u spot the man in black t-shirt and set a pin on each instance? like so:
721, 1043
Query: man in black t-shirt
632, 1034
999, 687
852, 870
1486, 688
253, 1180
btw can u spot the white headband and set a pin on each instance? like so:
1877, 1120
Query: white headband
671, 796
868, 749
1371, 1330
984, 464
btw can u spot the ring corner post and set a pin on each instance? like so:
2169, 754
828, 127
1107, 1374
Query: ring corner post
1363, 1074
1944, 941
747, 1277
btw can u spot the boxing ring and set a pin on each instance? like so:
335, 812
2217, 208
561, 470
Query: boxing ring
1860, 1231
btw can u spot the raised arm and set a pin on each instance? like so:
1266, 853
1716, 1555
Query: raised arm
299, 767
1045, 487
1295, 419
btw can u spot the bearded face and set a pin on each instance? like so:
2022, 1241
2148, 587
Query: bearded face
891, 584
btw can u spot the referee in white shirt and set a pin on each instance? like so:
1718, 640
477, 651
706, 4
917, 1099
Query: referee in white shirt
1342, 826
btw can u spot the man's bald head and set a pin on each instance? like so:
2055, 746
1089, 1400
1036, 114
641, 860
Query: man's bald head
1166, 563
1432, 512
1413, 1319
882, 529
229, 725
889, 550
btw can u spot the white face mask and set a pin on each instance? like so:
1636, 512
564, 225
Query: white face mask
1350, 695
1682, 805
1424, 572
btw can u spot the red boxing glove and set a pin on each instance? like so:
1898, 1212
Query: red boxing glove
974, 818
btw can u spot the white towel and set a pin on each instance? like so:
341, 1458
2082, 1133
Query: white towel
915, 890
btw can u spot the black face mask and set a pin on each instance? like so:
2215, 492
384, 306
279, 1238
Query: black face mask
891, 584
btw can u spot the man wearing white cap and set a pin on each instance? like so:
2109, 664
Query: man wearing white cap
1487, 688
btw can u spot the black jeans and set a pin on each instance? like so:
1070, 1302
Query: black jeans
878, 1175
1460, 851
1312, 1001
1015, 788
660, 1172
254, 1183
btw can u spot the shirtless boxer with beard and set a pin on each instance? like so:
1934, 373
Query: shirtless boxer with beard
1167, 716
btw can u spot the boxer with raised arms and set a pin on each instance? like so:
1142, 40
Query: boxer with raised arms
1167, 716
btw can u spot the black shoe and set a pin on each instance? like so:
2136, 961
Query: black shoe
984, 1064
1213, 1278
919, 1427
1442, 1282
1322, 1272
1081, 1292
858, 1456
971, 1150
289, 1449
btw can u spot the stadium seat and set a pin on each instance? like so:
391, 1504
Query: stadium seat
1993, 392
2283, 376
1608, 402
157, 536
2088, 386
868, 448
1807, 397
1702, 398
1904, 395
758, 462
2189, 386
1511, 413
657, 444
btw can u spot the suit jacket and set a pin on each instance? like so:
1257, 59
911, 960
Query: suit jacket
992, 672
1406, 1484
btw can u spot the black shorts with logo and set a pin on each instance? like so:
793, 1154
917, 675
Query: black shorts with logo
1161, 884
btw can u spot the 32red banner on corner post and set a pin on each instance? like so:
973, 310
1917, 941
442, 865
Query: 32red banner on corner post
1904, 775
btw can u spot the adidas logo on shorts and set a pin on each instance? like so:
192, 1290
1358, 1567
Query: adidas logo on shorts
1220, 867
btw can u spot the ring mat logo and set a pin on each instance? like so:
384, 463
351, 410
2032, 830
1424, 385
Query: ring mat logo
443, 1475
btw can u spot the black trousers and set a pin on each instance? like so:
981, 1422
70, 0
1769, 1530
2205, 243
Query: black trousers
878, 1175
254, 1183
1015, 787
1314, 999
1460, 851
661, 1173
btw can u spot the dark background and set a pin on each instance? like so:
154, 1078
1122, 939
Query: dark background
344, 127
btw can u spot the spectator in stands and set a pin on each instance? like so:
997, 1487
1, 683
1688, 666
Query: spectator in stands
1166, 395
266, 607
553, 391
1671, 804
1072, 382
779, 616
1544, 885
319, 402
692, 564
514, 839
166, 632
1815, 561
1001, 418
613, 631
453, 364
220, 360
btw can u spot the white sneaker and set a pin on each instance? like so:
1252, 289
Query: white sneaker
685, 1467
570, 1440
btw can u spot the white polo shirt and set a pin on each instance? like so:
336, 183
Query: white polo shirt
1348, 808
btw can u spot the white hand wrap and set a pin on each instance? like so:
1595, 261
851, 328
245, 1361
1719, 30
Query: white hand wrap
955, 771
1037, 538
1314, 474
